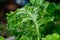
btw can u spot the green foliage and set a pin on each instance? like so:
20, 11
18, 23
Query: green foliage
38, 2
29, 22
1, 38
54, 36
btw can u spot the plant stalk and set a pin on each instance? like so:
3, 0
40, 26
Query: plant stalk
37, 29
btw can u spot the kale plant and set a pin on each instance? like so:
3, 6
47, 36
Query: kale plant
1, 38
28, 22
54, 36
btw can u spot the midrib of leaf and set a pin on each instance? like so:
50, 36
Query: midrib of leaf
37, 29
35, 23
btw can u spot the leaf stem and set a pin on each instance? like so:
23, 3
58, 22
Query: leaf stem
37, 29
